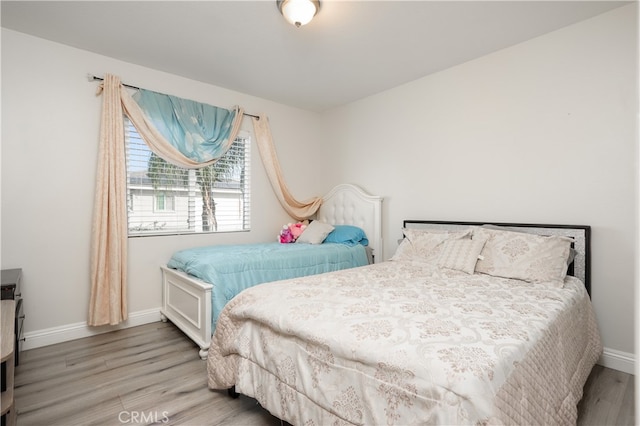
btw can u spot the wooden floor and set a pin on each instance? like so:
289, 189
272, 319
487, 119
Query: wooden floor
152, 374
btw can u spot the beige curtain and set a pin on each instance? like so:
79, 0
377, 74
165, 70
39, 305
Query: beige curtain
108, 301
299, 210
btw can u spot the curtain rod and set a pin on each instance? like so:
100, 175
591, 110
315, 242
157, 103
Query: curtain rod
93, 78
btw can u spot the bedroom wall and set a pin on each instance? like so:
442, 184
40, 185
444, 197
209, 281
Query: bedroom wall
50, 125
541, 132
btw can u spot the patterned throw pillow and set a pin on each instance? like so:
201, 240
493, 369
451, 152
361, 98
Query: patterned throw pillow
526, 257
424, 245
461, 254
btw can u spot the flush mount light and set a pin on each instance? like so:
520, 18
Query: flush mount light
298, 12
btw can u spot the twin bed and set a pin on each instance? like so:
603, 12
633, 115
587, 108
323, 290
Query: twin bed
197, 283
465, 324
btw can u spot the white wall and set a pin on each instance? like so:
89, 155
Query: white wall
542, 132
50, 126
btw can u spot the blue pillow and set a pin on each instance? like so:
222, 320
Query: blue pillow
347, 234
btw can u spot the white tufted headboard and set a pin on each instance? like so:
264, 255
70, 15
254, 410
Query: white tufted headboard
347, 204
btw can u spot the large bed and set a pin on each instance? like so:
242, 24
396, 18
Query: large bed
197, 283
468, 323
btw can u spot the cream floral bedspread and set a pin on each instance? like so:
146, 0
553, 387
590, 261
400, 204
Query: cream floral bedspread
406, 343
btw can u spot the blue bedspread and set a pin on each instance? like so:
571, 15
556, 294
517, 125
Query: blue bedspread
233, 268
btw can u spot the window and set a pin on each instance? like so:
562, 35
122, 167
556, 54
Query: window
167, 199
165, 202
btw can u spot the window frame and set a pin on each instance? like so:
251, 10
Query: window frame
234, 192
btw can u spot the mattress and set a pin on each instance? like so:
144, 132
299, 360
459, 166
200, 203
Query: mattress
407, 343
234, 268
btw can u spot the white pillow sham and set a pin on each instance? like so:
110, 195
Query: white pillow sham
461, 254
522, 256
315, 233
424, 245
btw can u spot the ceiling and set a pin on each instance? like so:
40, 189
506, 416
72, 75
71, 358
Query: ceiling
351, 50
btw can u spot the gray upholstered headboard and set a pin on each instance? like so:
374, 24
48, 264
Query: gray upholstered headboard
581, 235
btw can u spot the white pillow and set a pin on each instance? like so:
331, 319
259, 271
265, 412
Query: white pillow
315, 233
425, 245
526, 257
461, 254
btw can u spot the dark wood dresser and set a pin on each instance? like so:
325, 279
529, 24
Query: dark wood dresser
11, 291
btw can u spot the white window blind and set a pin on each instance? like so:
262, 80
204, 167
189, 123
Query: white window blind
167, 199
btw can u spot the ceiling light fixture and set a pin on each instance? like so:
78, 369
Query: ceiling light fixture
298, 12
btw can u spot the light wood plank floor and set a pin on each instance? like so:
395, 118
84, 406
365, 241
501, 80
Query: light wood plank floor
152, 374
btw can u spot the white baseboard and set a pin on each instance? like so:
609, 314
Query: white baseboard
618, 360
65, 333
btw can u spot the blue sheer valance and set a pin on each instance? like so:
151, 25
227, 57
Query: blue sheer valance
199, 131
